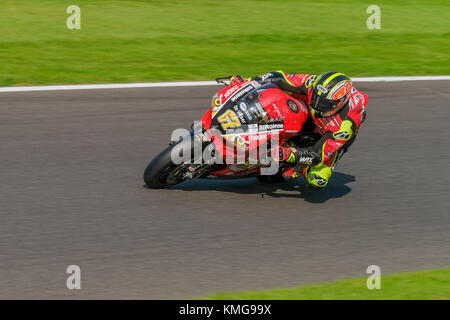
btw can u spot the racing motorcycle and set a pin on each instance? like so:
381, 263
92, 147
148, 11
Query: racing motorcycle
243, 121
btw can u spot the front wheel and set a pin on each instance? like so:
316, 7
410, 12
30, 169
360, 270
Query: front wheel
162, 172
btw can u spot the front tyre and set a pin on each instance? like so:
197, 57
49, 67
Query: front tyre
162, 172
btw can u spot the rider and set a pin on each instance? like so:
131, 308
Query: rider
337, 110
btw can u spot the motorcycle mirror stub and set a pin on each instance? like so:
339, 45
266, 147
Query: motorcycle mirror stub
224, 80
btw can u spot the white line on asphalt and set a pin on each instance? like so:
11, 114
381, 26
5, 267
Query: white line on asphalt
396, 79
191, 84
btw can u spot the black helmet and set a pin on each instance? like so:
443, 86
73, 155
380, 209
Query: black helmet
330, 93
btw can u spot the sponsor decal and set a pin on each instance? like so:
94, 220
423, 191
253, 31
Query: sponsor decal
305, 159
243, 91
293, 106
241, 116
310, 81
322, 88
340, 90
257, 137
217, 105
271, 126
229, 120
255, 84
243, 106
231, 90
320, 181
252, 128
266, 76
342, 135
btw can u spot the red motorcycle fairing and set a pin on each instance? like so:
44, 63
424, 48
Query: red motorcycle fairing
244, 117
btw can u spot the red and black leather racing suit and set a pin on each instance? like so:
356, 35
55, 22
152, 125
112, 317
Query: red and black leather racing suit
335, 133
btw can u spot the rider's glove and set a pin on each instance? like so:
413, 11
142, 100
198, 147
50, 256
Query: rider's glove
280, 153
305, 156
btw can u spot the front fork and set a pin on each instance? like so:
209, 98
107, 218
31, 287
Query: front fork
200, 140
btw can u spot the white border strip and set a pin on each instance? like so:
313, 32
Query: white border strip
396, 79
108, 86
191, 84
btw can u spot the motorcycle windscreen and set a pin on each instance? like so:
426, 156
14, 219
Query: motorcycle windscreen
242, 115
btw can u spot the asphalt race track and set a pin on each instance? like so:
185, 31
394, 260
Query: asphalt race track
71, 193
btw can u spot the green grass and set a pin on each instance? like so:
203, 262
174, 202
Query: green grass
138, 40
423, 285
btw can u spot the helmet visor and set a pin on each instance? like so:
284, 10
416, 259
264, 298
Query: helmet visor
323, 105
